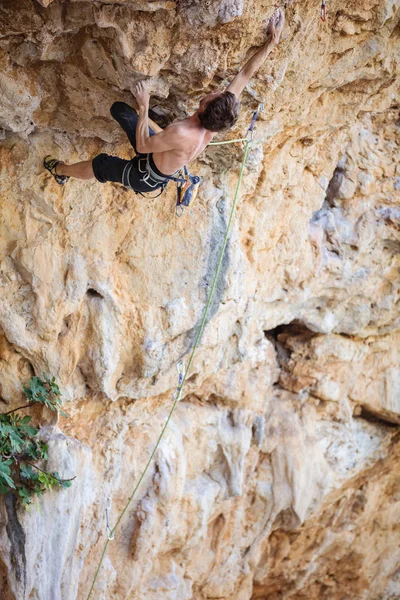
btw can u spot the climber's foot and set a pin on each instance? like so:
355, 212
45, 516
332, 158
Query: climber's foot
275, 25
50, 164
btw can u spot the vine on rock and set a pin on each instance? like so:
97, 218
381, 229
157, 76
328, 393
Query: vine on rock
21, 447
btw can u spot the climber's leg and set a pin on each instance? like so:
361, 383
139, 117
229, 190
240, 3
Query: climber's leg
62, 172
128, 172
80, 170
110, 168
127, 118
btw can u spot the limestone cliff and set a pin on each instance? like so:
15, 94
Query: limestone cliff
278, 477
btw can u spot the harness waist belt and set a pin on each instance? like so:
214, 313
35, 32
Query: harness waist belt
150, 176
153, 174
158, 177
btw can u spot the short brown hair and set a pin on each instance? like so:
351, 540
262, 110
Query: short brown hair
221, 112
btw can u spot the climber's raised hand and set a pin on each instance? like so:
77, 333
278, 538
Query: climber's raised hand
275, 26
142, 94
274, 29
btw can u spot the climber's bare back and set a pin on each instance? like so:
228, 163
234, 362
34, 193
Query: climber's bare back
189, 140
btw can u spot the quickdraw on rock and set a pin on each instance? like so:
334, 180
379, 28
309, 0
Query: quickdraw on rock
110, 533
181, 373
323, 11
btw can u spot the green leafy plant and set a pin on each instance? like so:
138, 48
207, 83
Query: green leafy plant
44, 391
21, 448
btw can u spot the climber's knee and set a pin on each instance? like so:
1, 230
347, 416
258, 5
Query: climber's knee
116, 109
122, 110
98, 167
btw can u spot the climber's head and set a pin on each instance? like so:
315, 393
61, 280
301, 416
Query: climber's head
218, 111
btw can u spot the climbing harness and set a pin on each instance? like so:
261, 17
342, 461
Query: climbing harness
186, 184
323, 11
150, 176
182, 370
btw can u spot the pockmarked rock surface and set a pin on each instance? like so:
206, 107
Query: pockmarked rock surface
278, 476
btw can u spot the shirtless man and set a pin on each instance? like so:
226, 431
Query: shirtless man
160, 155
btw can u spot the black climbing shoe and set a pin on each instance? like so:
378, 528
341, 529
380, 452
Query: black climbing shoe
51, 165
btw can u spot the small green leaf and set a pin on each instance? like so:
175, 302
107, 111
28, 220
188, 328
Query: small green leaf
28, 393
5, 473
38, 490
65, 484
32, 451
25, 494
4, 489
28, 473
43, 449
47, 480
15, 440
30, 431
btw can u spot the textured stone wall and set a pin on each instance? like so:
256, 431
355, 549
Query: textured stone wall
278, 476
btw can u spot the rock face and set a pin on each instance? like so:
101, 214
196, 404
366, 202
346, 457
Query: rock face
278, 476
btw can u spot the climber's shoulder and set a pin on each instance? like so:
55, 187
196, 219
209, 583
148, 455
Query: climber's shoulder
177, 130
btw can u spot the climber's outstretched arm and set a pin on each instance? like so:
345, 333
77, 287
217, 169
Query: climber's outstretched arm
274, 29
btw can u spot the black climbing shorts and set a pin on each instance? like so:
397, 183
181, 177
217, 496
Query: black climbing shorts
128, 172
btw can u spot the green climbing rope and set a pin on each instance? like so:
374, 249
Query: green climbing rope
196, 343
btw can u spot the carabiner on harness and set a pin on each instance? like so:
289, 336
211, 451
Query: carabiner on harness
186, 191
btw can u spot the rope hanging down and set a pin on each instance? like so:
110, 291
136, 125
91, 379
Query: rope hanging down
178, 393
181, 370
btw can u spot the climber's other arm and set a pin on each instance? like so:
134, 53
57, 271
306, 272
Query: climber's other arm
161, 142
274, 29
155, 127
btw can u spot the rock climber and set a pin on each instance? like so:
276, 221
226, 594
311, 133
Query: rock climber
159, 156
